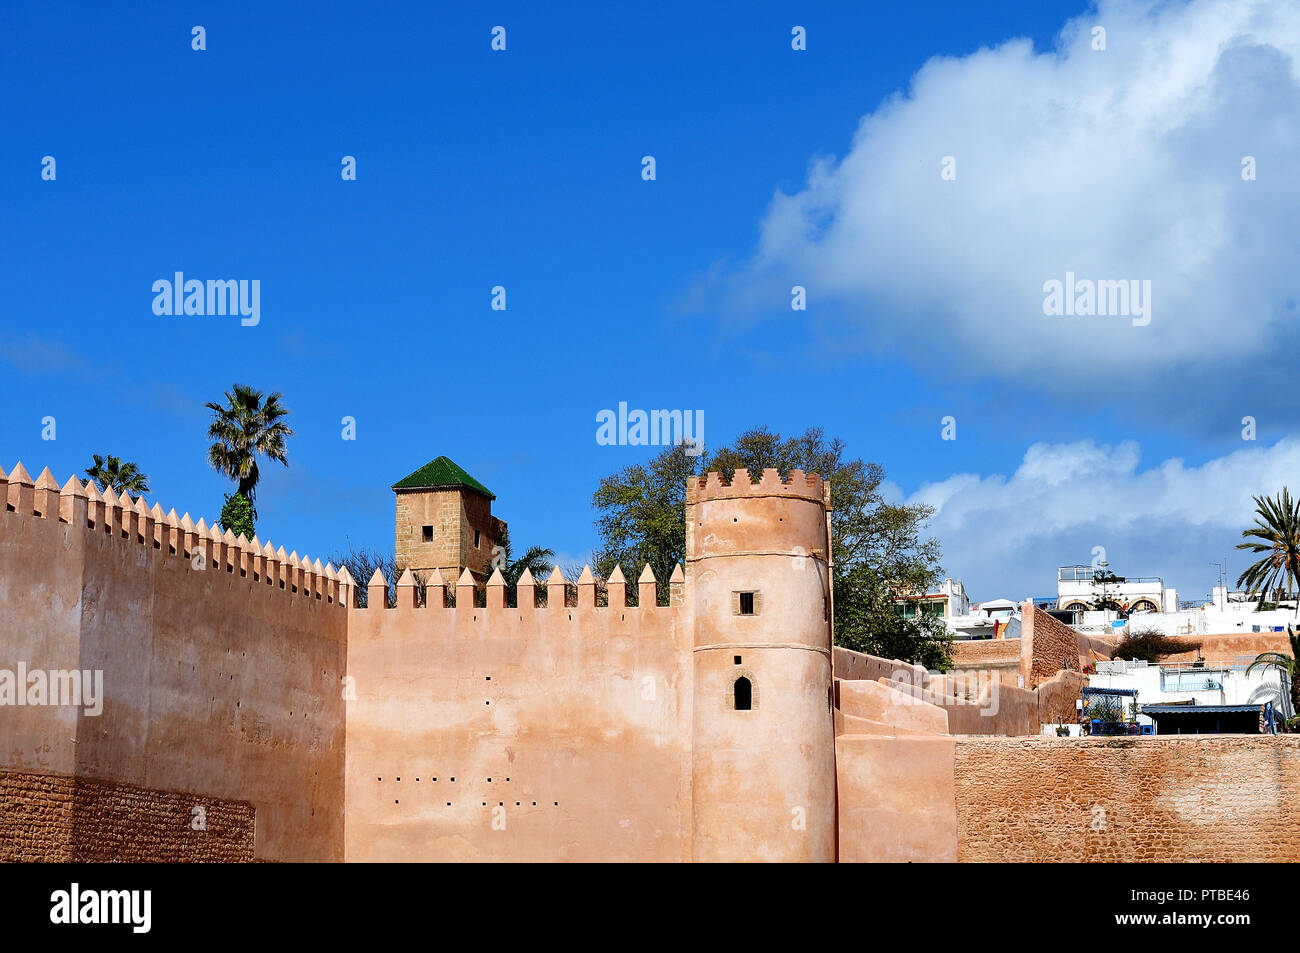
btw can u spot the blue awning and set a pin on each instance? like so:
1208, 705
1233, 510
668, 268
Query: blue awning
1198, 709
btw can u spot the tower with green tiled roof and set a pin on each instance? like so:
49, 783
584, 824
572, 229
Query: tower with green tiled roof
444, 521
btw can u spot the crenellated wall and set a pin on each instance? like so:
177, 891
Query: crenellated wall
527, 734
221, 659
723, 726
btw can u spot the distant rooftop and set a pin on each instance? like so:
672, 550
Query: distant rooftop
439, 473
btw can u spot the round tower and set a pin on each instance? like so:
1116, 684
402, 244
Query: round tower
763, 779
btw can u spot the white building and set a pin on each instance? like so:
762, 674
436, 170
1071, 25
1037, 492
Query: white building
1228, 612
944, 602
996, 618
1180, 696
1076, 592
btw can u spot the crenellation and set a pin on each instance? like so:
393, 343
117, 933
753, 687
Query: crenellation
713, 486
377, 591
647, 589
145, 524
347, 589
324, 580
435, 591
465, 590
201, 543
133, 520
496, 591
161, 529
616, 586
526, 592
132, 530
586, 589
73, 503
244, 558
270, 567
556, 585
94, 507
112, 522
406, 594
683, 733
22, 490
45, 496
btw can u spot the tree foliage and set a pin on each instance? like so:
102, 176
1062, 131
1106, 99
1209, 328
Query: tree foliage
1151, 645
112, 473
244, 428
238, 516
1287, 667
879, 553
1105, 586
642, 518
538, 560
361, 564
1275, 535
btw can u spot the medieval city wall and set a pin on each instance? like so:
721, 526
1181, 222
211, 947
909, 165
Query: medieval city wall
1047, 646
1204, 798
1000, 658
57, 818
222, 681
40, 625
537, 733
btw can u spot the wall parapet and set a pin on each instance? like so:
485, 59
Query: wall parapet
555, 587
714, 486
206, 547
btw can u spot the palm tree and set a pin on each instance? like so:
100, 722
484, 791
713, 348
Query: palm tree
244, 428
538, 560
117, 475
1286, 665
1276, 533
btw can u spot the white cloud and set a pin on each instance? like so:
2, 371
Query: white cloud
1119, 164
1005, 535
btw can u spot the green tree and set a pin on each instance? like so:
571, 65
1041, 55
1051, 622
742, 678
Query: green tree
1104, 586
642, 518
116, 475
879, 554
1276, 535
1151, 645
244, 428
538, 560
238, 516
1287, 667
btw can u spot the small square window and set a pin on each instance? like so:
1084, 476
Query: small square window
476, 539
746, 603
737, 658
428, 534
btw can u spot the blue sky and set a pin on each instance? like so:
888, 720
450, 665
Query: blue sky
522, 169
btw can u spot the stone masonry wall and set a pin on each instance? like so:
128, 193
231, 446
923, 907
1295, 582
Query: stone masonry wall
1204, 798
221, 665
1047, 646
59, 818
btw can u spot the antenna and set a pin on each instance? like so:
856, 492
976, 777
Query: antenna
1223, 572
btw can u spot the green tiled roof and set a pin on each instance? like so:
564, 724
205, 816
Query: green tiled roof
441, 472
